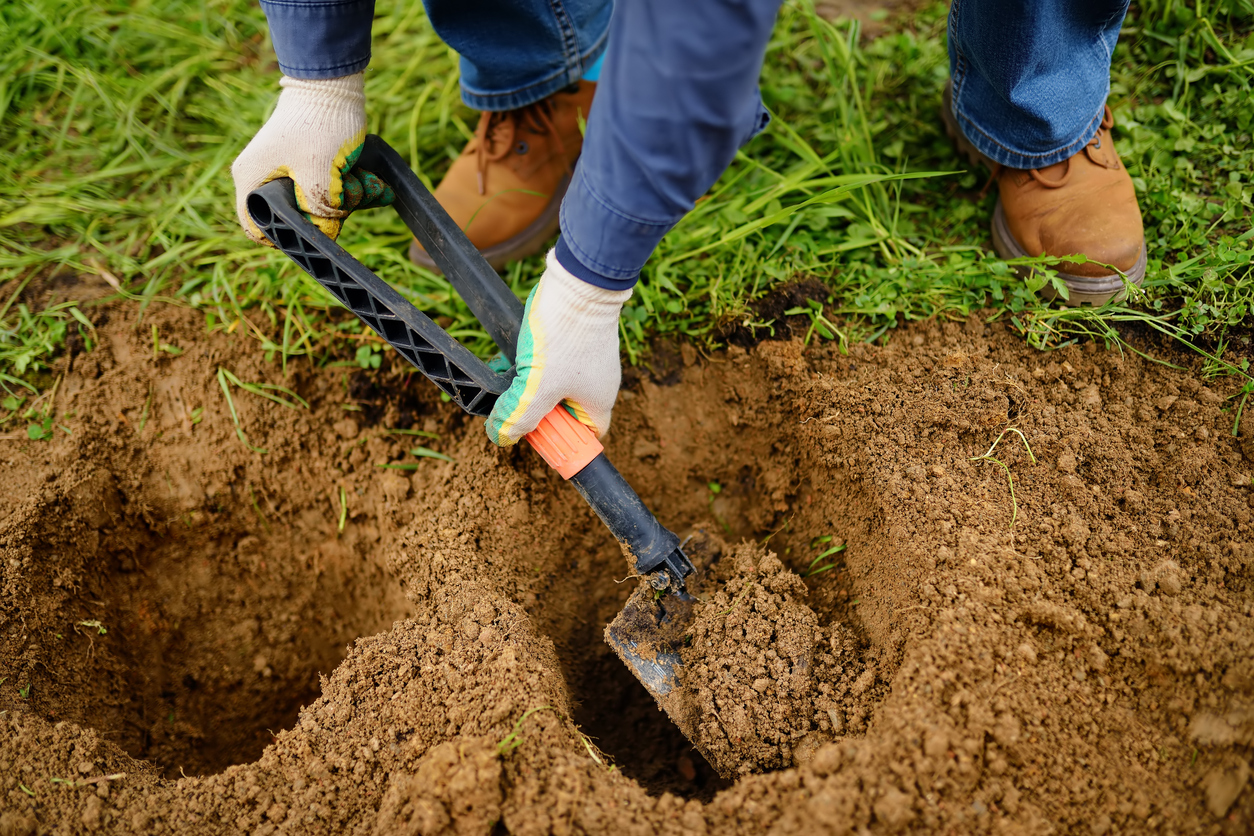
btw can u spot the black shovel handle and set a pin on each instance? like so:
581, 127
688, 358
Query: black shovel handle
447, 363
489, 299
465, 378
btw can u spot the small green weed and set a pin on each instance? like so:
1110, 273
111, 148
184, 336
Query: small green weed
143, 415
428, 453
814, 568
820, 324
989, 457
422, 453
513, 740
420, 433
587, 744
738, 599
368, 356
265, 390
715, 489
261, 517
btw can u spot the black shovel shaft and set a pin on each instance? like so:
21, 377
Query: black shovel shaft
489, 299
448, 364
652, 545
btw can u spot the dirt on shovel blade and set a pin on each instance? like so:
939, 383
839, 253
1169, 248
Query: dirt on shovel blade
340, 636
734, 670
647, 635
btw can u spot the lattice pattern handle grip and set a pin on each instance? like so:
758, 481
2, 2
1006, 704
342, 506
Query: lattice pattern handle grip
447, 363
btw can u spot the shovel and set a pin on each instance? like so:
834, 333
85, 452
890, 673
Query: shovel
650, 628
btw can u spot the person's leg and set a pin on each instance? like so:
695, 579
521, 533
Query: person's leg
530, 66
517, 52
679, 96
1029, 86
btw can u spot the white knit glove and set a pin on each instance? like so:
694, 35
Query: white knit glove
567, 353
314, 137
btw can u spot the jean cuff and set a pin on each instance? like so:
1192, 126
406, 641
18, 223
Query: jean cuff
603, 245
538, 90
325, 41
984, 142
579, 270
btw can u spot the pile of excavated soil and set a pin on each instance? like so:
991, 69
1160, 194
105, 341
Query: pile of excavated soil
198, 636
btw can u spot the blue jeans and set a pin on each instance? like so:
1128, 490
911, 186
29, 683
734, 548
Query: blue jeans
513, 52
678, 96
516, 52
1030, 77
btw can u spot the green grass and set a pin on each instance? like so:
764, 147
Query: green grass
121, 120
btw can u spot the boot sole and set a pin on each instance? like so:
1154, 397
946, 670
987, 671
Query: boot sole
528, 242
1083, 290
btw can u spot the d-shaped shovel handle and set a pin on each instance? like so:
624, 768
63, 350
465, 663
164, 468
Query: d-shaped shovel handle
565, 444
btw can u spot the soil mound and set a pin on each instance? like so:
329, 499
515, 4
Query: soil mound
339, 635
750, 666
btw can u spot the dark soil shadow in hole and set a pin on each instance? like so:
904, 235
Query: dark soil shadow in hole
223, 639
191, 642
623, 720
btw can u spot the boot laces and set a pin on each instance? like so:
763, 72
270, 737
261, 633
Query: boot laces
1095, 144
1108, 121
1035, 174
497, 131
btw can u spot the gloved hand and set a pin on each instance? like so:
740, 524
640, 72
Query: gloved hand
567, 353
314, 137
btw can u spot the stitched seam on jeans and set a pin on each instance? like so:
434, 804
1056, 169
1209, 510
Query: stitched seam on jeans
509, 94
1120, 15
605, 205
521, 90
1084, 139
297, 5
605, 270
351, 66
599, 266
597, 44
570, 41
1107, 51
960, 62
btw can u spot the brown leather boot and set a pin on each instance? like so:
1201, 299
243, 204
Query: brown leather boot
1084, 205
506, 188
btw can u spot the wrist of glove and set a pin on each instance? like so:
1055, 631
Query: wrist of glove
567, 353
314, 137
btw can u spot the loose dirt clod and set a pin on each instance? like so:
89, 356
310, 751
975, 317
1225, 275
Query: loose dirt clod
750, 667
198, 638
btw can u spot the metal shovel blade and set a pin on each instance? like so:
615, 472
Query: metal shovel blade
647, 635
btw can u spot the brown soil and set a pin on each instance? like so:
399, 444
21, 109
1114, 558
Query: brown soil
197, 637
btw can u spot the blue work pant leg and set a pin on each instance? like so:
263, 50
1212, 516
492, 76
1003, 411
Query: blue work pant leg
517, 52
677, 97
